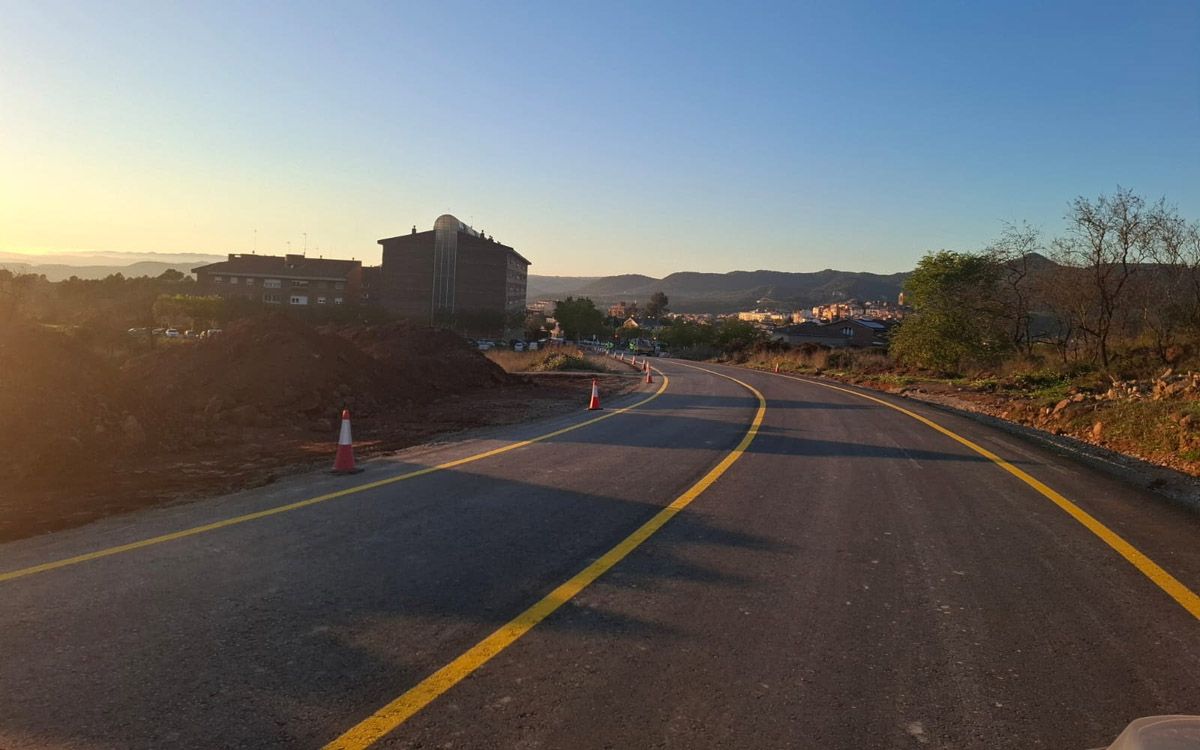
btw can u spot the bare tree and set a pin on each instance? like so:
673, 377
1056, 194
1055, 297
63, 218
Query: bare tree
1014, 254
1167, 293
1108, 239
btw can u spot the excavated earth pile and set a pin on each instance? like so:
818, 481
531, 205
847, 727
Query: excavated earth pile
85, 436
60, 403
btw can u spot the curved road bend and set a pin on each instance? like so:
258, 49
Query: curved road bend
855, 579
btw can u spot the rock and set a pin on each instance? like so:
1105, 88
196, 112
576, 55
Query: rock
133, 430
1078, 397
1097, 430
1061, 405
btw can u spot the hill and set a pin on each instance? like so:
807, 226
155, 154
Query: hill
99, 265
728, 292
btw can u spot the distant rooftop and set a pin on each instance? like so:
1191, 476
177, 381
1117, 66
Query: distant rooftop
451, 223
282, 265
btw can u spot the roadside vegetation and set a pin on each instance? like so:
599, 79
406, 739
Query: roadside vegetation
556, 359
1094, 334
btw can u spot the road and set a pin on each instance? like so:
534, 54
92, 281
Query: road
831, 573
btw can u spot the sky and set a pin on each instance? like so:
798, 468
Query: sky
595, 138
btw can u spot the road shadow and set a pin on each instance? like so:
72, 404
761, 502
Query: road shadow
230, 639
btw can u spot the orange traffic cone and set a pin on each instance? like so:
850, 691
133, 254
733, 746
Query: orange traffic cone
594, 404
776, 368
649, 375
344, 462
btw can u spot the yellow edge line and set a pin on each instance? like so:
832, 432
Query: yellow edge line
184, 533
1161, 578
391, 716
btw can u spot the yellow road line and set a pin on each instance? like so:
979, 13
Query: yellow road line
1186, 598
184, 533
374, 727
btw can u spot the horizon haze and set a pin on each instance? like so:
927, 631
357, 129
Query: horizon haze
593, 140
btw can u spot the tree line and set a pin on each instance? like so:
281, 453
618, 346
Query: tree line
1120, 286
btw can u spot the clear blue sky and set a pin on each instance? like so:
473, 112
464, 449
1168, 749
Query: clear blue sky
594, 137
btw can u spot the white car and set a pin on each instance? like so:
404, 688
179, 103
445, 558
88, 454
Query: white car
171, 333
519, 346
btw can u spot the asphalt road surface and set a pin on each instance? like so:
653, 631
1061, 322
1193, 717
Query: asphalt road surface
834, 573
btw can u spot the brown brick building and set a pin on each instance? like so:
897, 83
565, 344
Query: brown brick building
454, 275
283, 280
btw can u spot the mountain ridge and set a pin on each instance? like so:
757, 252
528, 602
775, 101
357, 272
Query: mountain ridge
697, 291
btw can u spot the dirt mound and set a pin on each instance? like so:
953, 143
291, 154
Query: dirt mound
259, 372
58, 398
427, 362
277, 371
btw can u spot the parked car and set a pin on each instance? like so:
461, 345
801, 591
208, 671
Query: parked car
483, 346
171, 333
519, 346
532, 346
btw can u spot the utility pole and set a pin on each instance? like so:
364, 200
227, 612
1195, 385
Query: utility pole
306, 243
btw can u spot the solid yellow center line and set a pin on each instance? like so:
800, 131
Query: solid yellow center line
274, 511
391, 716
1174, 588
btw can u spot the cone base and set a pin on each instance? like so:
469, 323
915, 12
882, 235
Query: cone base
355, 470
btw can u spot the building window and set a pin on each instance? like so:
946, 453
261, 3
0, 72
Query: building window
272, 283
271, 299
320, 300
233, 279
218, 279
337, 300
847, 331
299, 299
339, 285
299, 282
249, 282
